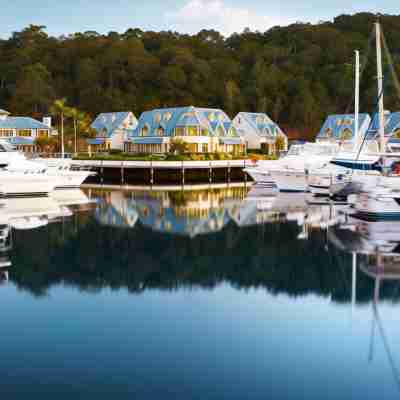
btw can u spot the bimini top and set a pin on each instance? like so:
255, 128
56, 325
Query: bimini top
341, 126
106, 124
163, 122
21, 123
261, 123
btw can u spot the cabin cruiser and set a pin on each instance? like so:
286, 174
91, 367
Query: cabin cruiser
298, 158
292, 176
55, 170
68, 178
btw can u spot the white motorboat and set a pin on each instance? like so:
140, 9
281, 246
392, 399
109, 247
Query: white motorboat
299, 157
68, 178
292, 176
20, 184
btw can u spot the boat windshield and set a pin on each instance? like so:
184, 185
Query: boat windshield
320, 149
295, 150
6, 147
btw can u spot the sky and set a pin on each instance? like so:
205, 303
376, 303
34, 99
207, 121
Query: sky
185, 16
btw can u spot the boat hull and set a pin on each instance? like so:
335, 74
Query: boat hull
290, 181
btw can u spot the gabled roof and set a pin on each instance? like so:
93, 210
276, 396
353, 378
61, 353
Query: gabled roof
336, 124
22, 123
171, 118
261, 123
109, 122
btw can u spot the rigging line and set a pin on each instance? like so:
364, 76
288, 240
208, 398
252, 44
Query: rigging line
363, 65
391, 67
376, 111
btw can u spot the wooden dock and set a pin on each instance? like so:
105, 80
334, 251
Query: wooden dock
153, 172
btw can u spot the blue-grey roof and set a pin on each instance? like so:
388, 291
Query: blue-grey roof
106, 123
21, 141
210, 119
336, 124
261, 123
22, 123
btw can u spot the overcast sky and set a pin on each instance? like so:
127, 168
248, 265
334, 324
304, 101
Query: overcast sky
226, 16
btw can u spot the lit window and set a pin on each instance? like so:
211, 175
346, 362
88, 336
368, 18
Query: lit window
192, 130
346, 134
211, 116
396, 133
204, 132
160, 131
179, 131
167, 116
6, 132
24, 132
328, 132
157, 118
144, 131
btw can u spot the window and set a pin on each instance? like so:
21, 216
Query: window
205, 148
232, 132
6, 132
144, 131
43, 133
260, 119
24, 132
211, 116
346, 134
396, 133
167, 116
160, 131
179, 131
220, 131
339, 122
328, 132
157, 118
192, 131
220, 117
204, 132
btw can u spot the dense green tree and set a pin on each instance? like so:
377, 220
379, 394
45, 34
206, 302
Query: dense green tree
298, 74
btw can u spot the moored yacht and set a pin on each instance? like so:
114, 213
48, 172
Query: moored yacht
293, 176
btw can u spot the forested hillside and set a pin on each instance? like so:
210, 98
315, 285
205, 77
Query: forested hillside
297, 74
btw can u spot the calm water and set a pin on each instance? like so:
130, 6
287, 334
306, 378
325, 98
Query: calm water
197, 294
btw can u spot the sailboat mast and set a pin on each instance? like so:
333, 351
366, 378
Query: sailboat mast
380, 86
357, 99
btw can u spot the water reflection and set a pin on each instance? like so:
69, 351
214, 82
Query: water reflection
375, 250
225, 273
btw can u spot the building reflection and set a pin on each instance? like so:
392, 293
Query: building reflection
188, 212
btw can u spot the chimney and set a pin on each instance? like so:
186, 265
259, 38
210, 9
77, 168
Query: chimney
47, 121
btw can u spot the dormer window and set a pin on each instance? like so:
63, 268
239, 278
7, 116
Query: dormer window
328, 132
145, 130
346, 134
220, 117
157, 118
211, 116
167, 116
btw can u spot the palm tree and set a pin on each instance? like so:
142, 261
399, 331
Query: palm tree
60, 108
78, 117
